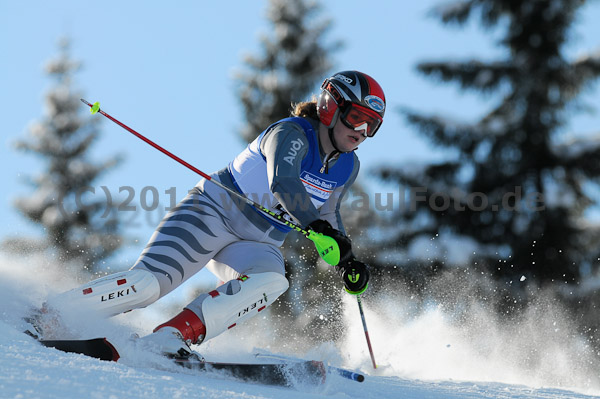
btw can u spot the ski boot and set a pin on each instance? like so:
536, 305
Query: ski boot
175, 337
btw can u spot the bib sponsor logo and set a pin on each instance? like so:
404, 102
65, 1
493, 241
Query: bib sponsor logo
317, 186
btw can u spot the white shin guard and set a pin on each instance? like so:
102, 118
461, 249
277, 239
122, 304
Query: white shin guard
111, 295
238, 300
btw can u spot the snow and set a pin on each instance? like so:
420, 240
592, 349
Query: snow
420, 356
453, 248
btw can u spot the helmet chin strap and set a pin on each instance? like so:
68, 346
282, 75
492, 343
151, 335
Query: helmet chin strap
332, 139
336, 151
328, 157
333, 142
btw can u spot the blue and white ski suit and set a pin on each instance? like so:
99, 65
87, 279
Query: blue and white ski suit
283, 170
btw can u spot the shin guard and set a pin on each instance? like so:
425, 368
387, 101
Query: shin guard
238, 300
111, 295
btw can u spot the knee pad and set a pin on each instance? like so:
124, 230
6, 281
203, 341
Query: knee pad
239, 300
111, 295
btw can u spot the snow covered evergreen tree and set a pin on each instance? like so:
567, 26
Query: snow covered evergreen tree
294, 62
79, 229
514, 197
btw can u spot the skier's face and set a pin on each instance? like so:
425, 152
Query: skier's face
347, 139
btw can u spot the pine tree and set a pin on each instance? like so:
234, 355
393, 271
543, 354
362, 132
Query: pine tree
79, 230
294, 63
539, 230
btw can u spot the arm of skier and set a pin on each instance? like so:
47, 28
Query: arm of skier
284, 147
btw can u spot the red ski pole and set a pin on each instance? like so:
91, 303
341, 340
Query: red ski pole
364, 322
326, 246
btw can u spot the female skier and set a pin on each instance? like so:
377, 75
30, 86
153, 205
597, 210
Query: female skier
299, 167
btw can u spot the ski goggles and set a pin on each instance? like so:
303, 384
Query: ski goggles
359, 118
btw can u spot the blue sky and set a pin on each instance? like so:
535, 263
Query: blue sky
167, 71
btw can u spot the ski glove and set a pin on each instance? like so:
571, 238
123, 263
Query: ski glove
343, 242
355, 275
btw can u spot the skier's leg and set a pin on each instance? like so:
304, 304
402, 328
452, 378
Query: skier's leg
256, 277
110, 295
187, 238
238, 300
190, 236
104, 297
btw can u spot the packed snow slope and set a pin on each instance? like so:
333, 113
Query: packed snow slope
424, 356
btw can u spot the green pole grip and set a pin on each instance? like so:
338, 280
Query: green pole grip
326, 246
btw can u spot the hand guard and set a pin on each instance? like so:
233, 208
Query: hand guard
343, 242
355, 275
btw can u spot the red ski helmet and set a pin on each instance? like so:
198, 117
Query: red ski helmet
354, 96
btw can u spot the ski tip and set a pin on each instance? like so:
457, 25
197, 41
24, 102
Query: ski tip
114, 353
99, 348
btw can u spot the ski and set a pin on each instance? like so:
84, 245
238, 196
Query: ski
351, 375
98, 348
283, 373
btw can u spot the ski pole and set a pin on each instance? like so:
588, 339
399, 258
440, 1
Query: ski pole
326, 246
364, 322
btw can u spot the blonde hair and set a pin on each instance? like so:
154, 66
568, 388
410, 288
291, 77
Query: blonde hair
306, 109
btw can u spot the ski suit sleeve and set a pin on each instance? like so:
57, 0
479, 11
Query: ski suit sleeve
330, 210
284, 147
